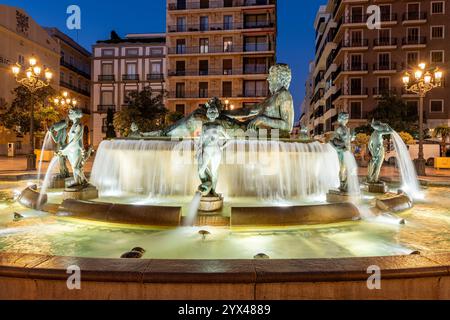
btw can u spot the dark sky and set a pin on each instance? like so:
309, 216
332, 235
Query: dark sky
99, 17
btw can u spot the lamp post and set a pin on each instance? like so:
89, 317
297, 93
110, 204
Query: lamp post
33, 81
420, 81
64, 99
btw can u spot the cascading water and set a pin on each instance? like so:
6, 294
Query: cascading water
48, 175
410, 182
270, 170
193, 210
46, 145
352, 172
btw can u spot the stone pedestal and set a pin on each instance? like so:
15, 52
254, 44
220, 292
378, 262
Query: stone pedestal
337, 196
210, 204
379, 187
85, 193
57, 182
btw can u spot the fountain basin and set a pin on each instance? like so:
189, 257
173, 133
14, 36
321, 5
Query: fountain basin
32, 199
29, 276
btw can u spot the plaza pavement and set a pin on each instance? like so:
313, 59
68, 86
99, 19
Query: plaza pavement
15, 169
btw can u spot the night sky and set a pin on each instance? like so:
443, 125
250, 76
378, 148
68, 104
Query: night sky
99, 17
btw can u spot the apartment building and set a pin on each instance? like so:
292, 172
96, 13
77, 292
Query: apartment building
355, 65
21, 38
123, 65
221, 48
75, 75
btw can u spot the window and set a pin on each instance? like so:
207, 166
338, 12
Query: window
106, 98
180, 108
255, 66
384, 37
181, 46
156, 68
436, 106
108, 52
156, 52
258, 43
131, 68
437, 56
356, 38
227, 89
107, 69
255, 20
180, 68
255, 88
204, 4
413, 108
384, 61
384, 85
132, 52
203, 67
227, 66
437, 7
412, 58
356, 110
413, 35
413, 11
204, 23
437, 32
204, 45
356, 62
227, 22
227, 44
356, 86
203, 89
180, 90
61, 76
181, 24
357, 15
385, 12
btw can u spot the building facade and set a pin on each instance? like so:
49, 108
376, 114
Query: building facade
121, 66
75, 75
21, 38
356, 64
219, 48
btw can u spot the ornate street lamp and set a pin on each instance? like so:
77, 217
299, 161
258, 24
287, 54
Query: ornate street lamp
420, 81
35, 78
64, 99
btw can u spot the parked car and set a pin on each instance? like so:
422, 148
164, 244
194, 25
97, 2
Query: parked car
430, 150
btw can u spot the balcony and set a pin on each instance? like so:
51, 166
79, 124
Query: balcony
388, 18
356, 92
356, 19
411, 42
130, 77
414, 17
216, 4
353, 44
384, 42
106, 78
74, 88
260, 93
103, 108
382, 67
205, 50
220, 27
361, 68
378, 92
157, 77
74, 69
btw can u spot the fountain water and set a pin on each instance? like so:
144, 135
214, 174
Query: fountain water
46, 145
193, 210
250, 168
48, 175
352, 172
410, 181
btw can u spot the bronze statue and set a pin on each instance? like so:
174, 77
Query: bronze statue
58, 133
209, 153
74, 149
276, 112
377, 150
341, 141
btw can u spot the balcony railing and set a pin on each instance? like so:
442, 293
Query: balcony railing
200, 95
414, 16
354, 43
219, 72
414, 41
130, 77
355, 67
158, 77
74, 68
356, 18
258, 47
74, 88
389, 17
385, 67
384, 42
220, 26
106, 77
377, 91
356, 91
214, 4
105, 107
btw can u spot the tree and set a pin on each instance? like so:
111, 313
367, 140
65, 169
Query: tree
45, 111
110, 130
395, 112
442, 132
144, 108
407, 138
173, 117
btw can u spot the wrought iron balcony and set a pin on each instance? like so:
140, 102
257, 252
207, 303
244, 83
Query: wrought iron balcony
414, 16
220, 26
215, 4
75, 69
408, 41
155, 77
253, 47
130, 77
74, 88
385, 66
106, 78
384, 42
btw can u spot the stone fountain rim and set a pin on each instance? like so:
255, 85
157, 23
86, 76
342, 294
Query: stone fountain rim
47, 267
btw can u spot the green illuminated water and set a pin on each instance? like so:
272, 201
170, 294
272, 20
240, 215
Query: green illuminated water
427, 230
